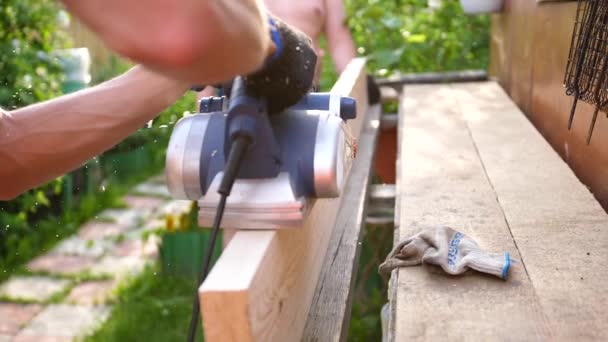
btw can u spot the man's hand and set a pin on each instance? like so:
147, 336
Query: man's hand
200, 41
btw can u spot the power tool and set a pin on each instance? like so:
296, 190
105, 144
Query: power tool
294, 155
296, 150
272, 144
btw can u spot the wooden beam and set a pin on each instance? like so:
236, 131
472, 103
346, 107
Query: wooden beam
262, 286
441, 181
399, 80
560, 229
329, 315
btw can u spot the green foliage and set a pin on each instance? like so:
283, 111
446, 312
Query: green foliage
113, 67
28, 37
407, 36
39, 218
24, 236
370, 288
151, 307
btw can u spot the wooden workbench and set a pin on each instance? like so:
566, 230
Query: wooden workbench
468, 158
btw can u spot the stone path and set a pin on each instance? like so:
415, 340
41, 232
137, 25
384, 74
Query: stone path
66, 293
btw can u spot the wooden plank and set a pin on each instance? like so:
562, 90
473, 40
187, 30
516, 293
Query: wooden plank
329, 314
442, 182
399, 80
388, 94
559, 228
263, 284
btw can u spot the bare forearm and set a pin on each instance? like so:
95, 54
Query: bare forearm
340, 40
342, 52
43, 141
201, 41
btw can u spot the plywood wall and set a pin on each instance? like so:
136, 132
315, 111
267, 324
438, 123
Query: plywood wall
529, 51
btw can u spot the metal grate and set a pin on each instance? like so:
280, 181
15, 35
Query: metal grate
586, 72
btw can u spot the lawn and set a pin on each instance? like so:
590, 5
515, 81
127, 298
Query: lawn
152, 307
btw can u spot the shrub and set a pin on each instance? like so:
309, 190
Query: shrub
28, 36
407, 36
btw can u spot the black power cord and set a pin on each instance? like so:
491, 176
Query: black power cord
231, 170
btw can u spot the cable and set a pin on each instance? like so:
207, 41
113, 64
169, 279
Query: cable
231, 169
194, 319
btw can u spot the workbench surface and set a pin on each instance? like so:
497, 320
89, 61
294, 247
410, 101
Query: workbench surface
469, 158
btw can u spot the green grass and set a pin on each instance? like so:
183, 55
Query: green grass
151, 307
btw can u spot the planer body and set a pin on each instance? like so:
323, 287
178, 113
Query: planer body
300, 155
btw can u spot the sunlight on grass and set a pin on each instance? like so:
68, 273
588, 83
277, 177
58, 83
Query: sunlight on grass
152, 307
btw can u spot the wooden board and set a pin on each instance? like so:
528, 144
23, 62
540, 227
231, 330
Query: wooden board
263, 284
329, 314
560, 229
441, 181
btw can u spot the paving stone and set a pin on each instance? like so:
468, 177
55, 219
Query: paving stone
91, 292
177, 207
158, 179
119, 267
14, 316
138, 247
77, 246
34, 288
95, 230
125, 218
145, 203
60, 264
154, 224
153, 189
60, 321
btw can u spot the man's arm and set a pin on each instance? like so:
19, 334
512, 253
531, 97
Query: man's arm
339, 39
200, 41
45, 140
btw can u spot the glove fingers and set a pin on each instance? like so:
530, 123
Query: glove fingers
407, 253
390, 264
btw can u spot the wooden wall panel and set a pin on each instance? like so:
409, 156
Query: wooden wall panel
551, 107
500, 49
529, 51
521, 32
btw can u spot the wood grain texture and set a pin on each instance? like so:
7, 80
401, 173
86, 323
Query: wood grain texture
530, 36
551, 106
442, 181
263, 284
521, 26
559, 228
329, 314
500, 47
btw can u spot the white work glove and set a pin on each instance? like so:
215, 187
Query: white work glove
450, 249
